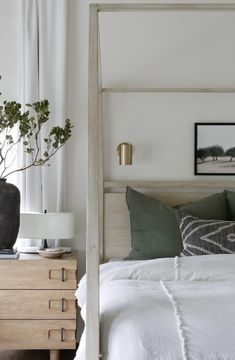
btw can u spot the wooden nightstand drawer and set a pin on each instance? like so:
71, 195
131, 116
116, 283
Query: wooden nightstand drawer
36, 304
37, 334
35, 272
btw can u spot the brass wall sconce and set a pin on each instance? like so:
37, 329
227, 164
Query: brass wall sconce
125, 151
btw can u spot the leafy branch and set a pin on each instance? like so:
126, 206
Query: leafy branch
25, 128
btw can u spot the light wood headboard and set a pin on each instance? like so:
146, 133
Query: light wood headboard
117, 234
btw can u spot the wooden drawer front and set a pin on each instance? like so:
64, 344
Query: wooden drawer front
37, 334
17, 274
37, 304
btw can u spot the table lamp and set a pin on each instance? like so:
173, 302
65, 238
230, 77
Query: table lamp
45, 226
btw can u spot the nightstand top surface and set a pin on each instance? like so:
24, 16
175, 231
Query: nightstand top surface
65, 257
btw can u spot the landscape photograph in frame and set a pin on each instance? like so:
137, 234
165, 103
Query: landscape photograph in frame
214, 151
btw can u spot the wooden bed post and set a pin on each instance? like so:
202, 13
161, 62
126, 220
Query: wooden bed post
95, 192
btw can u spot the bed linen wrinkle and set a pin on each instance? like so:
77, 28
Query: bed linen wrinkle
195, 320
131, 333
179, 321
209, 307
176, 267
205, 267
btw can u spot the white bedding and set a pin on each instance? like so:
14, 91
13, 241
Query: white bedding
166, 309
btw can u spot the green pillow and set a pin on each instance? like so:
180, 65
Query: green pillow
212, 207
154, 229
230, 196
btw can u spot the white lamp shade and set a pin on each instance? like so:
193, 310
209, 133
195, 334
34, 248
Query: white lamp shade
54, 225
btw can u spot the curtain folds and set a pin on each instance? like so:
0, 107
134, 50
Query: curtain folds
43, 49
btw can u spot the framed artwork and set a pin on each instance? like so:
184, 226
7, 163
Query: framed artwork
214, 152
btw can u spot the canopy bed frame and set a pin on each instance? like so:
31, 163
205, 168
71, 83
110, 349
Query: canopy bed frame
108, 228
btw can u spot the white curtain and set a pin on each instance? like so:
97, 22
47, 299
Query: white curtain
42, 69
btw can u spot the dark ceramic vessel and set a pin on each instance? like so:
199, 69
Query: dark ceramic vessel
9, 214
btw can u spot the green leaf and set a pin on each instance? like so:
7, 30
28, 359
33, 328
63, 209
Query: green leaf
29, 124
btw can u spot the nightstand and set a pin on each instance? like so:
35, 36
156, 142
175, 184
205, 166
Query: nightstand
37, 303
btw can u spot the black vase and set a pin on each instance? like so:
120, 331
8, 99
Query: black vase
9, 214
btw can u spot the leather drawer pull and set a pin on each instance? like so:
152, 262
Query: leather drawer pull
62, 331
59, 334
62, 274
62, 334
63, 303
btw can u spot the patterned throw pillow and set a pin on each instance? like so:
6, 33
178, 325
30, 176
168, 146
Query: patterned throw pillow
205, 237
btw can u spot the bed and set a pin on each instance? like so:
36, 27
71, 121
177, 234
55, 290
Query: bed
167, 309
178, 307
109, 236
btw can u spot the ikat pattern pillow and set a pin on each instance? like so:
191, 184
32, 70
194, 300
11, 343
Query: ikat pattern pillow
205, 237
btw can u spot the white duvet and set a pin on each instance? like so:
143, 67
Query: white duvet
166, 309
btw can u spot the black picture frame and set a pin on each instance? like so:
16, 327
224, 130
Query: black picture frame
214, 148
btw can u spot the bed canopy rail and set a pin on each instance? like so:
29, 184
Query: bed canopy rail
205, 185
168, 90
164, 7
95, 201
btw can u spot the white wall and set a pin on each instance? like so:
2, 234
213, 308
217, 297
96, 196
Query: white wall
159, 126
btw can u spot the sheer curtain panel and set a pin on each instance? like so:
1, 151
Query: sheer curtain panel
43, 49
42, 71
